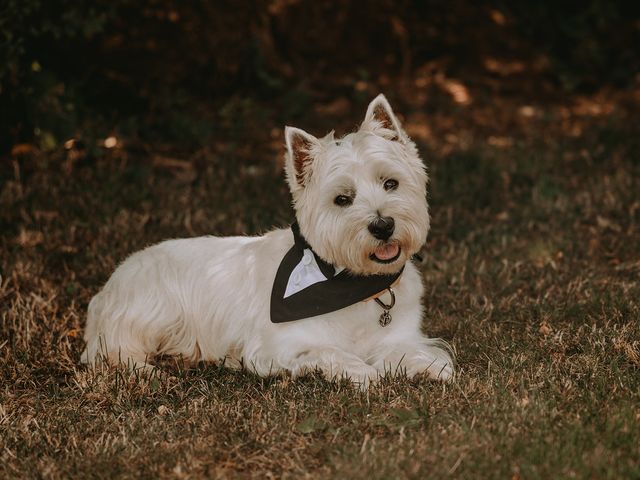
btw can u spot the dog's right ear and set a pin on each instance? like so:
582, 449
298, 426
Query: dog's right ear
301, 149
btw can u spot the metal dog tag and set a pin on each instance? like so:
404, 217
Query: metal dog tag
385, 317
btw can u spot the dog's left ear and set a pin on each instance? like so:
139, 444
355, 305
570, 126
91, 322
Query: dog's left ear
380, 118
301, 149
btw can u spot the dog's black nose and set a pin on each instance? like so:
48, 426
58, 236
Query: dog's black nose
382, 227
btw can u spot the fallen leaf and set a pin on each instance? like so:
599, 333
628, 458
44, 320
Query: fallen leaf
544, 329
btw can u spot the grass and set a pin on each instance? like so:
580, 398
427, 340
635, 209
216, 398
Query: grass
531, 273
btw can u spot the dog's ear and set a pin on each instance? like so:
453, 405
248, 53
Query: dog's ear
381, 119
301, 149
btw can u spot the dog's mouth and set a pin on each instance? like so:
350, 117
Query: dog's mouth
387, 253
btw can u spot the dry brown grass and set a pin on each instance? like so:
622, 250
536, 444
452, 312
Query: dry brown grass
532, 274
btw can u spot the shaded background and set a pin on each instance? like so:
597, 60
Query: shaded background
184, 72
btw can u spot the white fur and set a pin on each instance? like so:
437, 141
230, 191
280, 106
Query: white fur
208, 298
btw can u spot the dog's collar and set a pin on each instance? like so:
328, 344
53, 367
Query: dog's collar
306, 286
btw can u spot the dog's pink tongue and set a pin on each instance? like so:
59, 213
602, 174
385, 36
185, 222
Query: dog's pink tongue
386, 252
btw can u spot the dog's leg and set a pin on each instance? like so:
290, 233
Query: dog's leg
334, 363
430, 356
131, 358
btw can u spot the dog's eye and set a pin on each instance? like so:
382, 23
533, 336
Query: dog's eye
390, 184
343, 200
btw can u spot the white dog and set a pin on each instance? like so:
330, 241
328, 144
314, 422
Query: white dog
294, 299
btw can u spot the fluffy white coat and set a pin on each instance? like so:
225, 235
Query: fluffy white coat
208, 298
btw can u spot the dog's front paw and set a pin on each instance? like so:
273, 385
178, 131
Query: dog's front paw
335, 364
440, 370
432, 361
435, 368
363, 378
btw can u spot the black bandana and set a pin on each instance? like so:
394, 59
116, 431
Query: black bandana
306, 286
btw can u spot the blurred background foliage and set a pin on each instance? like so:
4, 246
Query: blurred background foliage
177, 72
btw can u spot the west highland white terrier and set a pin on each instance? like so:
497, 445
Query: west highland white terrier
336, 292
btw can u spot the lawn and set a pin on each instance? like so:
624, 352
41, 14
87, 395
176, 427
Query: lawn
532, 274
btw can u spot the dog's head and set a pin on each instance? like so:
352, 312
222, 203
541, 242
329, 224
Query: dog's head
360, 200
